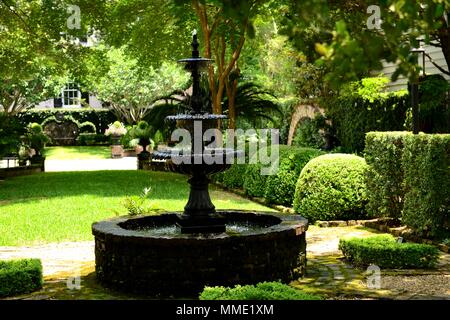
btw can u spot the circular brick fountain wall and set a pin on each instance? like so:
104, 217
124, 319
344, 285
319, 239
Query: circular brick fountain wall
129, 259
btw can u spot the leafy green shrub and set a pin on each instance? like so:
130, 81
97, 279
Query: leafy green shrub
331, 187
20, 276
261, 291
434, 111
136, 205
385, 252
308, 133
384, 177
364, 107
280, 188
254, 181
426, 165
142, 131
10, 132
234, 176
218, 177
36, 138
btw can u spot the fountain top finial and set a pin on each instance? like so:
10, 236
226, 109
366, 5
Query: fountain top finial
195, 45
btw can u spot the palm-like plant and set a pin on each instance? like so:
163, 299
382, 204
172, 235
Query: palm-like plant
253, 103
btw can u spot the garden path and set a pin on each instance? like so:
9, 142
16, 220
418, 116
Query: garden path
126, 163
328, 274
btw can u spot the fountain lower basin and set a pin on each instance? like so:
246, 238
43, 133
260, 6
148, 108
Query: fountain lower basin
148, 255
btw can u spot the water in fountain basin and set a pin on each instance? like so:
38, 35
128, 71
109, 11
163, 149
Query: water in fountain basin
232, 229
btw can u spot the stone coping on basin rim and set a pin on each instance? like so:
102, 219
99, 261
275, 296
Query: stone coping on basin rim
112, 228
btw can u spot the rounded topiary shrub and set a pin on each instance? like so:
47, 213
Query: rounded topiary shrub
331, 187
280, 187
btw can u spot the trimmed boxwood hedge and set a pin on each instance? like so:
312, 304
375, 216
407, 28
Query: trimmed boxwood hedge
254, 182
385, 252
331, 187
384, 177
365, 107
101, 118
409, 178
426, 166
280, 188
20, 276
234, 177
261, 291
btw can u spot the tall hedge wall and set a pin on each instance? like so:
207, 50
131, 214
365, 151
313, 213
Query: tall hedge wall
384, 178
353, 117
100, 118
364, 106
426, 163
409, 178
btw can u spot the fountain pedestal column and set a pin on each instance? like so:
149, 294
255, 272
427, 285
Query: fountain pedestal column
199, 213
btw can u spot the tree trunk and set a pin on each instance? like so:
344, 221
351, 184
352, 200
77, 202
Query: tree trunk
223, 69
444, 37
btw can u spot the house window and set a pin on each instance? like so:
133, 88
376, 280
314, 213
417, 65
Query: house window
71, 96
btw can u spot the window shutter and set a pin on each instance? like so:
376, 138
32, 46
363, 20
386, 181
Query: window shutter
57, 103
85, 96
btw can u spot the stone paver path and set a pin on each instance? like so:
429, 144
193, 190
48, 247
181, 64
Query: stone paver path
64, 257
126, 163
69, 272
330, 275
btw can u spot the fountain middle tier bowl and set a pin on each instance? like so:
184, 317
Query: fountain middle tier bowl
149, 255
196, 117
209, 162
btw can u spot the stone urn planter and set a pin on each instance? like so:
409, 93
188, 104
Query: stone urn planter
116, 147
38, 159
115, 140
144, 155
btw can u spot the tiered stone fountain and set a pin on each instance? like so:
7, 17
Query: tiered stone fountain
179, 253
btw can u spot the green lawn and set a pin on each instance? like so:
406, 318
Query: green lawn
55, 207
80, 152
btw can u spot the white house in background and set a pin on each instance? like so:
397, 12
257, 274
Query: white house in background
71, 98
402, 83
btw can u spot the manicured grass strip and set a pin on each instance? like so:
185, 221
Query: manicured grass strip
80, 152
385, 252
20, 276
61, 206
261, 291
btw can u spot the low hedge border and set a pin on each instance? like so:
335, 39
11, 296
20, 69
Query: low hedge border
20, 276
388, 225
260, 291
241, 192
385, 252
